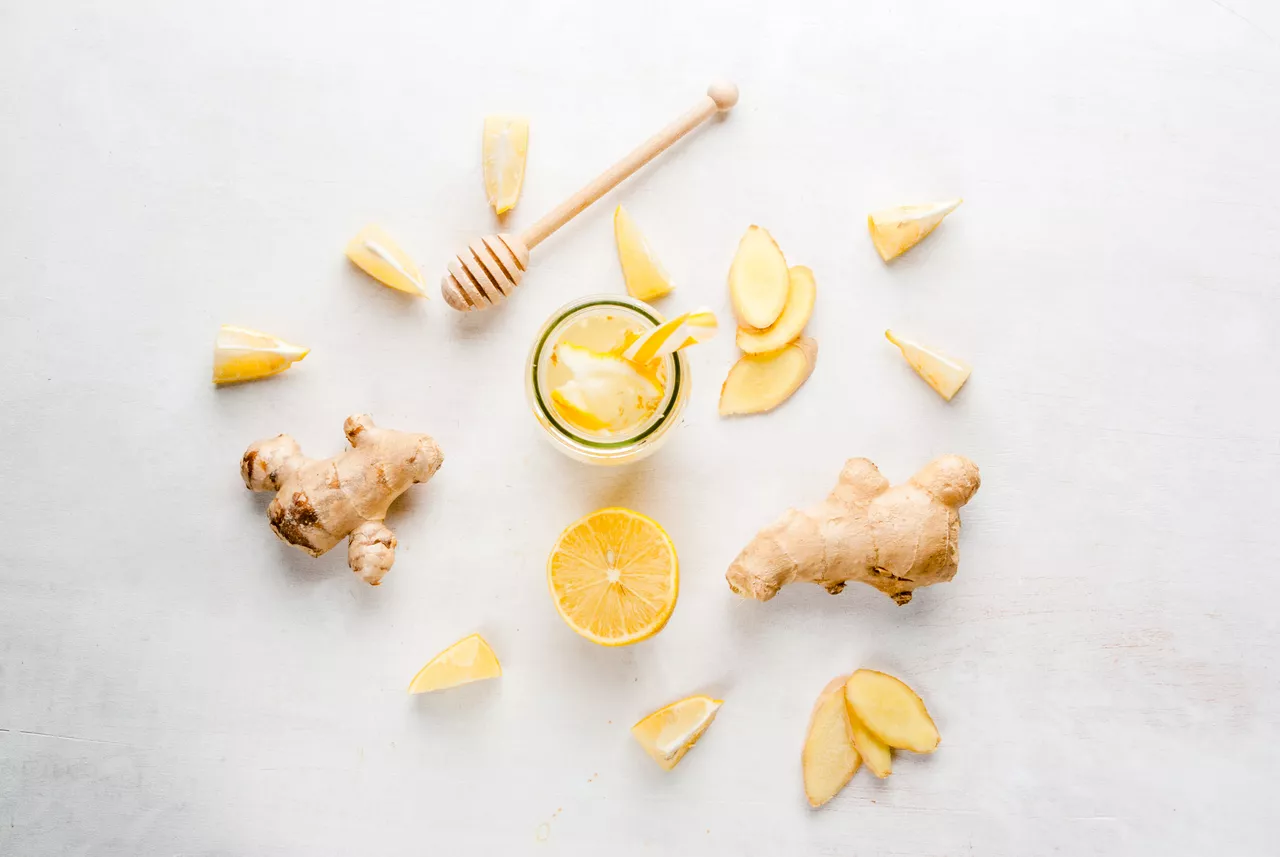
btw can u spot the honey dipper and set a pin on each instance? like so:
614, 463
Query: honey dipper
490, 268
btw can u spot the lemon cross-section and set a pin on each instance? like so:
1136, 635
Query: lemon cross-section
470, 659
614, 577
668, 733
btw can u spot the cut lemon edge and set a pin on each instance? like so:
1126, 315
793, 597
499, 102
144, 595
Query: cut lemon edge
470, 659
668, 733
614, 577
374, 251
242, 354
645, 277
505, 149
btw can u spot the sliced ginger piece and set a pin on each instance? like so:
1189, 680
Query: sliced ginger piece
470, 659
241, 354
829, 759
758, 279
894, 231
506, 145
893, 712
944, 374
760, 382
668, 733
374, 252
874, 752
801, 295
645, 277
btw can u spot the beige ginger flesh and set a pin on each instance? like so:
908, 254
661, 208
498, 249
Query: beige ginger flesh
319, 502
829, 759
896, 539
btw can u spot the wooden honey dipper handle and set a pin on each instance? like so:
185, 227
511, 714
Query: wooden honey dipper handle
720, 96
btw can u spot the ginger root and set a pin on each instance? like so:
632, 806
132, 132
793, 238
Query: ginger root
895, 539
319, 502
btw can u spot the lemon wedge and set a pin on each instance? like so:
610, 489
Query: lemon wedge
646, 279
374, 252
894, 231
684, 330
241, 354
470, 659
946, 375
614, 577
506, 145
668, 733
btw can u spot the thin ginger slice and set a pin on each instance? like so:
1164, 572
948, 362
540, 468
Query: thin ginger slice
645, 277
374, 252
894, 231
470, 659
893, 712
758, 279
829, 759
760, 382
668, 733
874, 752
241, 354
801, 296
506, 146
946, 375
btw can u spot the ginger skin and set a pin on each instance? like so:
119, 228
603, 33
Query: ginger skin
319, 502
895, 539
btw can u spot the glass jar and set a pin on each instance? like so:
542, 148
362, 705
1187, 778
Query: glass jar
645, 438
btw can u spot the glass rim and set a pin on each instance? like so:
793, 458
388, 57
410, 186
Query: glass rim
557, 319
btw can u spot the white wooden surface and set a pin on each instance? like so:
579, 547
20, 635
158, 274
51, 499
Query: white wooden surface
173, 680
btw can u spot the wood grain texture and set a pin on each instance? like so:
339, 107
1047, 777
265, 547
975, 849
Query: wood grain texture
173, 680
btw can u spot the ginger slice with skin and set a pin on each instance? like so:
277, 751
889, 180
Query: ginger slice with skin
758, 280
801, 296
760, 382
893, 712
829, 759
873, 751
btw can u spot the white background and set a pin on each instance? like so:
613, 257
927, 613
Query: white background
174, 680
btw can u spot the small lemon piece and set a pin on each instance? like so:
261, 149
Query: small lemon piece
241, 354
946, 375
470, 659
894, 231
614, 577
668, 733
373, 252
760, 382
645, 276
506, 145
